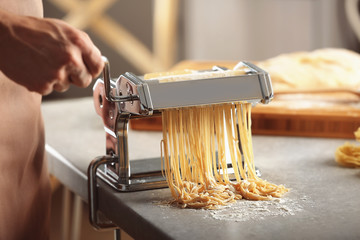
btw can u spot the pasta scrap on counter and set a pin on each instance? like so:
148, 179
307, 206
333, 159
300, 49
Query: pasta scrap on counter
196, 143
348, 155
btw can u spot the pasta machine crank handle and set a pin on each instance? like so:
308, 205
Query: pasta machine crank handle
108, 94
93, 193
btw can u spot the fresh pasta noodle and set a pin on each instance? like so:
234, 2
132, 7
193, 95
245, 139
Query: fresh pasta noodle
348, 155
197, 141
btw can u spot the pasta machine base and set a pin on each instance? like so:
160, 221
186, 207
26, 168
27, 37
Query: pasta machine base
145, 174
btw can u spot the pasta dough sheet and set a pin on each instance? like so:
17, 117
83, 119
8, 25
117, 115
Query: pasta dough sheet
322, 68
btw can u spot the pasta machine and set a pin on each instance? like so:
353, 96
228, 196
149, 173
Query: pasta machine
130, 96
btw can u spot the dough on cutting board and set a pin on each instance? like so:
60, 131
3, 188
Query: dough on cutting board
322, 68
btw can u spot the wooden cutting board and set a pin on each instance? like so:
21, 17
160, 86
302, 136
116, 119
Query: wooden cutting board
332, 115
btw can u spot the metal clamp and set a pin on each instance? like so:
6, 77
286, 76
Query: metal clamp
93, 193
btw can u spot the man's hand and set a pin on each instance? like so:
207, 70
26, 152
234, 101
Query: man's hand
46, 54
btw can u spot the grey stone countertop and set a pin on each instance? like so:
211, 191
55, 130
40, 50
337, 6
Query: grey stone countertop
323, 203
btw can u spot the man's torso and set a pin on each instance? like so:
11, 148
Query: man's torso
24, 186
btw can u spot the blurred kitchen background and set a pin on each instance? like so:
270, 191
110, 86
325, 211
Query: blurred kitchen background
142, 36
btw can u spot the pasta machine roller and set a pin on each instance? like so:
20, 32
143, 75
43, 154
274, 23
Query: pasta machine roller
130, 96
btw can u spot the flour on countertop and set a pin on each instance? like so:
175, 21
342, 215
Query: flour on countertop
244, 210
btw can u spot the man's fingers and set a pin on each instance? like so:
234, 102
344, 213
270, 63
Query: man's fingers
91, 55
61, 87
93, 61
79, 76
78, 73
82, 60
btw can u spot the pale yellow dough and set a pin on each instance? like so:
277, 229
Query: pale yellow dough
323, 68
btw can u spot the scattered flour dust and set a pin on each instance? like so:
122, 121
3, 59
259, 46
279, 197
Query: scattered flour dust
244, 210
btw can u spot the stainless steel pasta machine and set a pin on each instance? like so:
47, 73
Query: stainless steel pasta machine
130, 96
